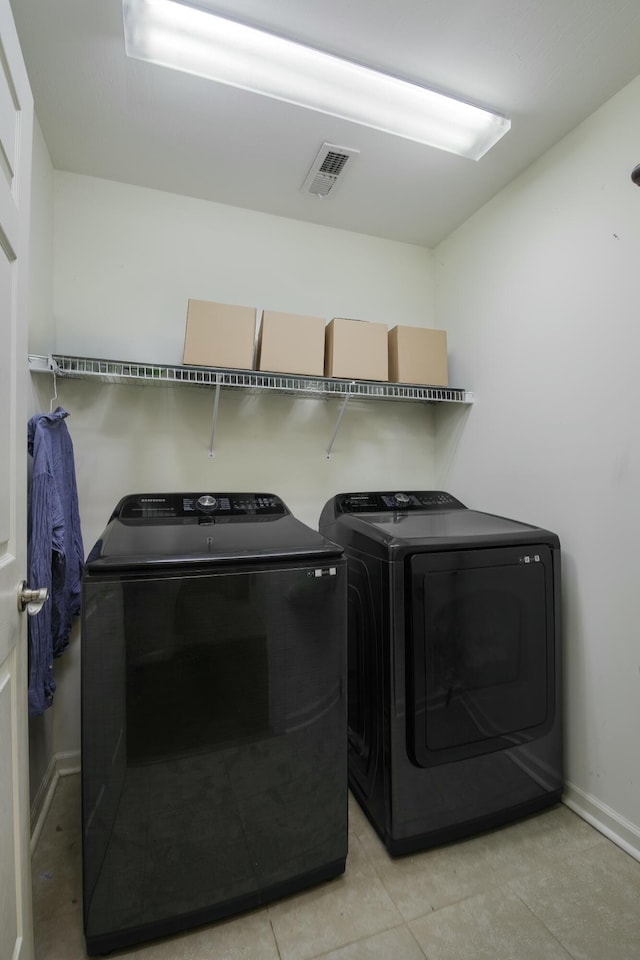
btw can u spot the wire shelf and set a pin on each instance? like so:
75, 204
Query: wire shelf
117, 371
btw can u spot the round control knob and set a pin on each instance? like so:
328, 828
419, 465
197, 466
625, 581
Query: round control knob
206, 503
402, 498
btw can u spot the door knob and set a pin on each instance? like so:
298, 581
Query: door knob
31, 600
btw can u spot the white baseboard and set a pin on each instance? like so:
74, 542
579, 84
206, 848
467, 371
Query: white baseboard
617, 828
42, 801
68, 762
60, 765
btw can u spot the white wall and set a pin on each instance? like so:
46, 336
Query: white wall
126, 260
540, 295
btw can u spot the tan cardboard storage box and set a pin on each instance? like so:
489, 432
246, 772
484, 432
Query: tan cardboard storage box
356, 350
290, 343
219, 335
418, 355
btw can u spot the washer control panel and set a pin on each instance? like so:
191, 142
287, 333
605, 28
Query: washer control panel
185, 506
401, 501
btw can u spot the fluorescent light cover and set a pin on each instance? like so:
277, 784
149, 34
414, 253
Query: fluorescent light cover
196, 41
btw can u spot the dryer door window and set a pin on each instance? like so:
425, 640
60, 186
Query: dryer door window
481, 651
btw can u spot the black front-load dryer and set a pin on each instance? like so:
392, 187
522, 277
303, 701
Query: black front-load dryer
454, 704
214, 731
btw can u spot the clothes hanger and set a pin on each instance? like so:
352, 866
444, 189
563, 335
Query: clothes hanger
53, 366
55, 393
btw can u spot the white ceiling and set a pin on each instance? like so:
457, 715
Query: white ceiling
546, 64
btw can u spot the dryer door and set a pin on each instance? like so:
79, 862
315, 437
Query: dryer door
481, 651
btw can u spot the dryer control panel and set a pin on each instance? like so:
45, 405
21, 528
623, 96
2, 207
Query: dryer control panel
413, 500
148, 507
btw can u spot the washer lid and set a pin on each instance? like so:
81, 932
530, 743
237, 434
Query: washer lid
148, 530
457, 525
425, 518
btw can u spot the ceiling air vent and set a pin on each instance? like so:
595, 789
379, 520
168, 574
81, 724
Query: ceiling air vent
326, 168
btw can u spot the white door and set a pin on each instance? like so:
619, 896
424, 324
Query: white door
16, 131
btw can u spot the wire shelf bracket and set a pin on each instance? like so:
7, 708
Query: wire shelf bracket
337, 426
216, 403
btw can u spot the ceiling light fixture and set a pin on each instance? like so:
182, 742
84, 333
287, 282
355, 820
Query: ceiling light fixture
194, 40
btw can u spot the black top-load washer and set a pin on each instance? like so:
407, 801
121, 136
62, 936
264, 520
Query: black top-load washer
455, 720
214, 757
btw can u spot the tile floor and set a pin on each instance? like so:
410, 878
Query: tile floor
548, 888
